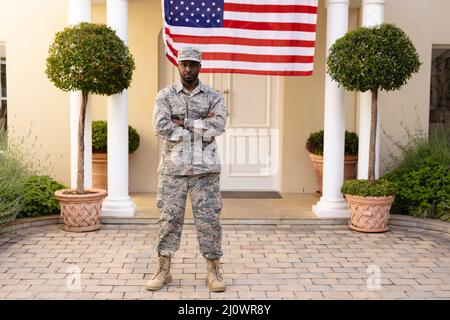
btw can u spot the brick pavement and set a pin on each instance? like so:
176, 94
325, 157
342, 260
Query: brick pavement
260, 262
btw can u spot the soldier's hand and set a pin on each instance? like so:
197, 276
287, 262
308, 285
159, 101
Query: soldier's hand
178, 122
210, 114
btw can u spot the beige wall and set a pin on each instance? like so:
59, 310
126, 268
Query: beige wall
27, 28
426, 23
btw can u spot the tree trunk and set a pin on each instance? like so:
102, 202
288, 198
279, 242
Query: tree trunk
373, 135
81, 124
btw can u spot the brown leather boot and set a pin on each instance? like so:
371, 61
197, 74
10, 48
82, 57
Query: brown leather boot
162, 275
214, 279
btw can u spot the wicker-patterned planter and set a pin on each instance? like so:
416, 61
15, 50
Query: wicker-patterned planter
350, 164
369, 214
81, 212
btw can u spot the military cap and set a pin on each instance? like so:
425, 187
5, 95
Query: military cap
189, 53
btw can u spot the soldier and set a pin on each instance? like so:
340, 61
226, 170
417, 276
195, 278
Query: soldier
187, 116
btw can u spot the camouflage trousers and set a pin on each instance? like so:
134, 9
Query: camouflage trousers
204, 191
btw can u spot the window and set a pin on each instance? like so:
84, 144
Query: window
440, 87
3, 101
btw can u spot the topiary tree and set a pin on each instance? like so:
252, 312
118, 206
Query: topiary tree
90, 58
375, 58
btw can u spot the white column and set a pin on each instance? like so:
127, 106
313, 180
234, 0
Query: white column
118, 203
80, 11
332, 204
372, 14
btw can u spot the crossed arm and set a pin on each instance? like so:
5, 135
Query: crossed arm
174, 129
214, 124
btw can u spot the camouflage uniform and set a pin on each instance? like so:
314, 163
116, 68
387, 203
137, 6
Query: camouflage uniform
189, 163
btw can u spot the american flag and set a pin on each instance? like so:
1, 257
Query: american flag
266, 37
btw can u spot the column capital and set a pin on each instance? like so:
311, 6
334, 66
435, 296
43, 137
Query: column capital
79, 11
338, 2
379, 2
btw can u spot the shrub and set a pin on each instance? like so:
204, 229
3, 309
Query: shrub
13, 172
422, 177
314, 144
366, 188
38, 197
100, 137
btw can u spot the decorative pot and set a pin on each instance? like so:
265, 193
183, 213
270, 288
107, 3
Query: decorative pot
81, 212
100, 170
350, 166
369, 214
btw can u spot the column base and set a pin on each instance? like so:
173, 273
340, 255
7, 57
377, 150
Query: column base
118, 207
331, 208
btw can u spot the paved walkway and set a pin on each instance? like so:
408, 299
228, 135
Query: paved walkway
260, 262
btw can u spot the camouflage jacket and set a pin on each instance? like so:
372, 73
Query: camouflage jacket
191, 149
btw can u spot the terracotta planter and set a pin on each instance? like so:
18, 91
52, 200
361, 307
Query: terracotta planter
100, 170
81, 212
369, 214
350, 166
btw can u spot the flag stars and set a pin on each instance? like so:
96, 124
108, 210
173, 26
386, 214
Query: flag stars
195, 13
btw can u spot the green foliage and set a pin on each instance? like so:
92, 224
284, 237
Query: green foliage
100, 137
91, 58
422, 176
314, 144
13, 173
424, 192
133, 140
38, 197
381, 57
366, 188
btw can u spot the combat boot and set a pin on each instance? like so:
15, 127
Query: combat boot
162, 275
214, 279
